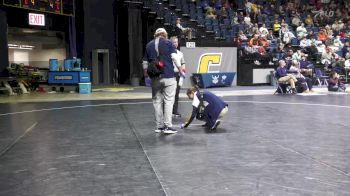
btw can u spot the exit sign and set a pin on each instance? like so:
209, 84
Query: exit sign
36, 19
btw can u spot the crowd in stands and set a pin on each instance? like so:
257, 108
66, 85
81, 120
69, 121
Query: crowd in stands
294, 31
301, 33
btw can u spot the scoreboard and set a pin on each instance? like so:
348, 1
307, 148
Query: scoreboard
63, 7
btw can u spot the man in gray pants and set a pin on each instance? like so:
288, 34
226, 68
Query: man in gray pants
164, 86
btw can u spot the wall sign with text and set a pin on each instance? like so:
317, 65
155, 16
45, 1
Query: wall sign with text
36, 19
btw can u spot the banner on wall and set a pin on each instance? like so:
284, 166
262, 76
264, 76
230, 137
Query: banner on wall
209, 60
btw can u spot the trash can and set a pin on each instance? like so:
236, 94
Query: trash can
272, 78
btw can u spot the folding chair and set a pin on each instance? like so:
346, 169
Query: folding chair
282, 87
320, 77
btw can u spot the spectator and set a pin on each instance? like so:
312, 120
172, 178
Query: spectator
263, 41
187, 31
241, 17
241, 36
311, 35
271, 37
305, 82
288, 57
254, 41
322, 36
346, 49
255, 10
334, 83
295, 21
321, 48
263, 30
306, 66
276, 28
163, 87
283, 76
301, 31
254, 29
297, 55
210, 14
223, 13
337, 44
287, 35
308, 20
247, 21
281, 11
328, 57
305, 42
248, 7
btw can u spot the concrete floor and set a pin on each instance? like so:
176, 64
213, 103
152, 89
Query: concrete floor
268, 145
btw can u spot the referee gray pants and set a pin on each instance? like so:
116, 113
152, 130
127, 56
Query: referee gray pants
163, 96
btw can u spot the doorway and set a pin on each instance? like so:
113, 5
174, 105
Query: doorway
100, 67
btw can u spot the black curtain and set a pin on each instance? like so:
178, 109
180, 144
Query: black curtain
4, 55
72, 37
135, 41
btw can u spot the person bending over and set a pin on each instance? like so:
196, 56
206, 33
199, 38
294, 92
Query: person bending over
206, 107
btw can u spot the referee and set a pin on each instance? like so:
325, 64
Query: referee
180, 55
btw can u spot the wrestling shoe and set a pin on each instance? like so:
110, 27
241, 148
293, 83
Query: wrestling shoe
217, 123
158, 130
169, 130
177, 115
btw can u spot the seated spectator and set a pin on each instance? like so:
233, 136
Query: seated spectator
248, 7
347, 63
263, 30
240, 17
254, 29
336, 27
287, 35
276, 28
242, 36
304, 43
247, 21
254, 41
309, 21
187, 31
322, 36
288, 57
328, 57
210, 14
283, 23
271, 37
263, 41
295, 21
321, 48
297, 55
334, 83
329, 32
281, 11
301, 31
283, 75
255, 10
305, 66
337, 44
222, 13
346, 49
304, 82
311, 35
